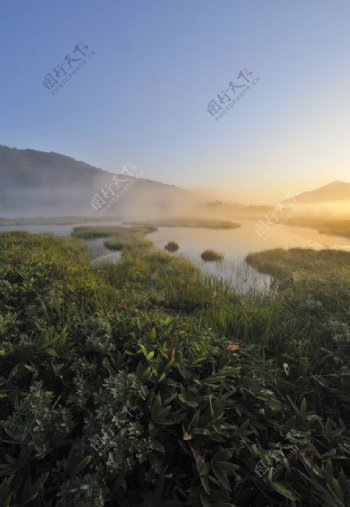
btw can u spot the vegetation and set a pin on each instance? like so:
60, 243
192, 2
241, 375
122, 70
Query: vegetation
143, 384
106, 231
120, 237
188, 222
211, 255
332, 227
297, 263
54, 220
125, 241
172, 246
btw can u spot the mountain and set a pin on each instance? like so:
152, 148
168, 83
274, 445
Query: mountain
333, 192
36, 183
47, 184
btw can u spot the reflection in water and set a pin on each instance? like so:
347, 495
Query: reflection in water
100, 252
237, 272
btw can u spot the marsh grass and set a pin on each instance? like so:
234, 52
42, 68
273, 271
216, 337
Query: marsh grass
106, 231
182, 380
298, 263
172, 246
212, 255
123, 242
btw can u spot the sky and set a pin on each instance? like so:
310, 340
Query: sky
154, 68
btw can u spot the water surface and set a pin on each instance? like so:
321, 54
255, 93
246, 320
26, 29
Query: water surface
235, 244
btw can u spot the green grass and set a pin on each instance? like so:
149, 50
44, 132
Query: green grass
172, 246
302, 262
121, 242
144, 383
106, 231
120, 237
188, 222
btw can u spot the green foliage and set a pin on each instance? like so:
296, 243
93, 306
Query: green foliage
142, 384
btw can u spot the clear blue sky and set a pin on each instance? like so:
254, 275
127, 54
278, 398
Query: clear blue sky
158, 63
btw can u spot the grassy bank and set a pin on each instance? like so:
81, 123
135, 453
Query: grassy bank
188, 222
303, 263
106, 231
143, 384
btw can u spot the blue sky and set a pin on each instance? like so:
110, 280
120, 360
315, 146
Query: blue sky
143, 97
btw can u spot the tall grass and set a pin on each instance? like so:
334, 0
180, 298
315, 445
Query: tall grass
147, 383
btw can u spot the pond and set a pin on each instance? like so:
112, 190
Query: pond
235, 244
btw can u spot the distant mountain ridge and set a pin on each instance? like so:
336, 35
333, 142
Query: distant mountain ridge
50, 184
36, 183
334, 191
47, 184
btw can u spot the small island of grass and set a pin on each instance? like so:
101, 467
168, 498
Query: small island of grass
205, 223
303, 263
212, 255
172, 246
127, 241
107, 231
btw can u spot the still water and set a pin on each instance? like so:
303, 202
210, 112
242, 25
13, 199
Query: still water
235, 244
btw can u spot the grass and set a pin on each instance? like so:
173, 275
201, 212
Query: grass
172, 246
188, 222
144, 383
301, 263
120, 237
212, 255
123, 241
332, 227
68, 220
106, 231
